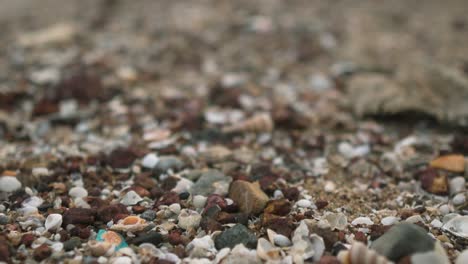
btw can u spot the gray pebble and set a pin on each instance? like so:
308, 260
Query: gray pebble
238, 234
148, 215
168, 163
211, 181
72, 243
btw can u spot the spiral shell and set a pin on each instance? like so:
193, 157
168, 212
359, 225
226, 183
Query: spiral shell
360, 254
130, 223
258, 123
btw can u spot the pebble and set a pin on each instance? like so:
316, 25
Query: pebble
199, 201
362, 221
389, 220
9, 184
148, 215
457, 185
250, 198
42, 252
211, 182
53, 222
403, 240
414, 219
78, 192
33, 201
151, 237
175, 208
72, 243
454, 163
304, 203
4, 219
37, 172
149, 161
436, 223
189, 219
131, 198
238, 234
459, 199
434, 182
166, 163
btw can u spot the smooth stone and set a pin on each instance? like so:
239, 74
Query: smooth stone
362, 221
72, 243
211, 182
131, 198
436, 223
78, 192
149, 161
37, 172
166, 163
199, 201
459, 199
53, 221
148, 215
9, 184
403, 240
238, 234
457, 185
389, 220
33, 201
4, 219
151, 237
304, 203
249, 196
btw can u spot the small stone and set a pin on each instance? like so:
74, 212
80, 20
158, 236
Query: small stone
37, 172
211, 182
389, 220
72, 243
199, 201
175, 208
78, 192
278, 207
362, 221
149, 161
131, 198
42, 252
454, 163
148, 215
329, 260
5, 253
459, 199
151, 237
53, 222
79, 216
189, 219
434, 182
33, 201
436, 223
292, 193
4, 219
184, 195
238, 234
110, 212
403, 240
27, 239
166, 163
250, 198
304, 203
9, 184
457, 185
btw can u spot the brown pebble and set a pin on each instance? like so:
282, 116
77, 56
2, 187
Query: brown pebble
292, 193
250, 198
328, 260
321, 204
109, 212
454, 163
28, 239
168, 198
280, 225
278, 207
361, 237
138, 209
434, 182
79, 216
42, 252
4, 251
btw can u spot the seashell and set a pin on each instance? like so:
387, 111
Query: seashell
189, 219
266, 251
457, 226
130, 224
337, 221
258, 123
278, 239
360, 254
112, 238
33, 201
238, 255
306, 246
131, 198
362, 221
98, 249
201, 247
53, 222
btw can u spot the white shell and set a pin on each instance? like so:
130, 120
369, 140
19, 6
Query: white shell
131, 198
189, 219
278, 239
78, 192
389, 220
337, 221
201, 247
266, 251
306, 246
98, 248
199, 201
457, 226
9, 184
362, 221
33, 201
238, 255
53, 222
360, 254
150, 161
130, 224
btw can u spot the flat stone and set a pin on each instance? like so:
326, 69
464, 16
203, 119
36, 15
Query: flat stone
249, 196
72, 243
238, 234
9, 184
211, 182
166, 163
403, 240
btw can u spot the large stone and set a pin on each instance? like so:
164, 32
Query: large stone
211, 182
249, 196
238, 234
403, 240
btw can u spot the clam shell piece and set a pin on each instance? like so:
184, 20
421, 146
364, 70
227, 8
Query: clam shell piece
112, 238
266, 251
306, 246
130, 224
99, 248
457, 226
53, 222
258, 123
360, 254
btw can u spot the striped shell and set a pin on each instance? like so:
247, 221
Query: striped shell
360, 254
258, 123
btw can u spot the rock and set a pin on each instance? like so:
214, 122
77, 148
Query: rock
211, 182
53, 222
457, 185
72, 243
79, 216
304, 203
362, 221
434, 182
454, 163
250, 198
9, 184
111, 212
189, 219
151, 237
148, 215
389, 220
131, 198
42, 252
166, 163
5, 253
278, 207
149, 161
78, 192
403, 240
199, 201
55, 34
238, 234
459, 199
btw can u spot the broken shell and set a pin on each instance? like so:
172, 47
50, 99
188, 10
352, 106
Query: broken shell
53, 222
112, 238
100, 248
266, 251
457, 226
130, 224
360, 254
455, 163
278, 239
337, 221
306, 246
258, 123
189, 219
